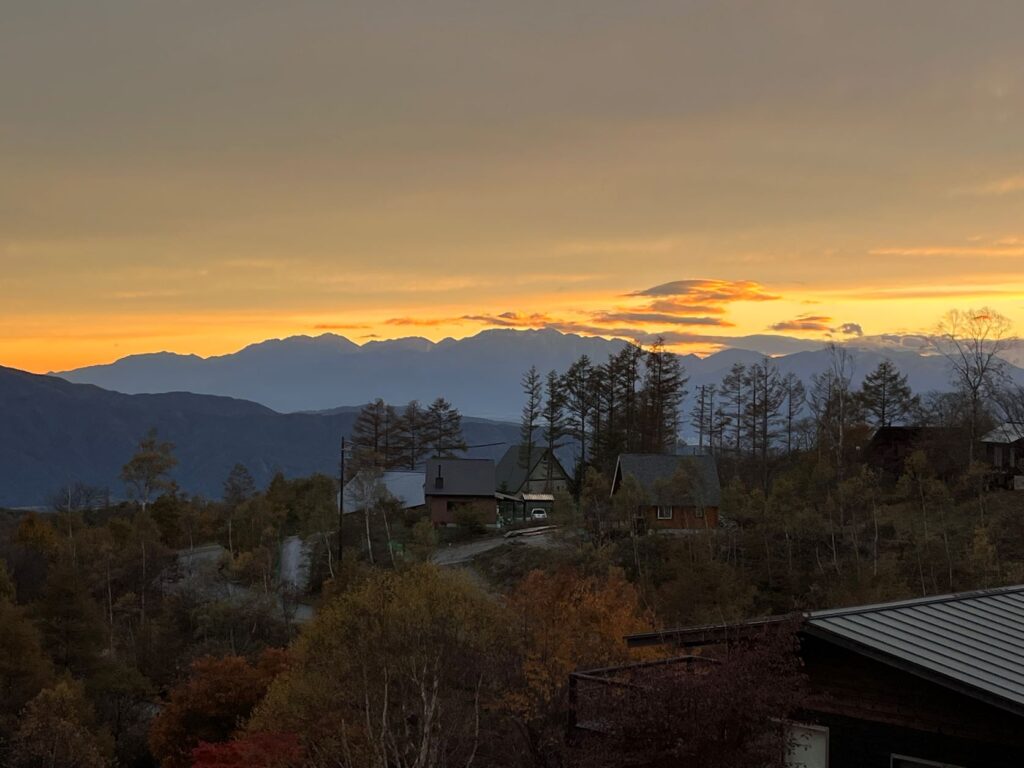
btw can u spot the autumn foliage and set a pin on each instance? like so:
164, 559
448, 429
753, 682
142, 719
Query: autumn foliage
211, 705
251, 750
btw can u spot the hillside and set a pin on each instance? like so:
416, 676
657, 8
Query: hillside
54, 432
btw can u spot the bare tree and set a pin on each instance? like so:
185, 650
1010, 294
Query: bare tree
971, 341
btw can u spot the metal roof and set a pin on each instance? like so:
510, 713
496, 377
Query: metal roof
459, 477
653, 469
405, 486
1005, 433
972, 641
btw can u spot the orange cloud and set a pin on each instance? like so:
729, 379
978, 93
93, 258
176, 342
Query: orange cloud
804, 323
710, 291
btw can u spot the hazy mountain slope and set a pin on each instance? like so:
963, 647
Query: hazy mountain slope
53, 432
479, 374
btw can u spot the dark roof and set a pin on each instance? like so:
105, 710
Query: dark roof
459, 477
650, 469
972, 641
512, 474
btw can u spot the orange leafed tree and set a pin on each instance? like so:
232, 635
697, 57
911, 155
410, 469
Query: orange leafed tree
251, 750
211, 705
565, 621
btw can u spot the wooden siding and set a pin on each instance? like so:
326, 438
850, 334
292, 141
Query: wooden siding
443, 509
683, 518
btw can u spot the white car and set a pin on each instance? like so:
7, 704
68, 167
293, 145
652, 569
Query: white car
538, 513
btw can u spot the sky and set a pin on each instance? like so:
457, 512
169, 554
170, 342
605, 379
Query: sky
196, 176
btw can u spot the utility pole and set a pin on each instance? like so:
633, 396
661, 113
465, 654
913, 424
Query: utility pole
341, 496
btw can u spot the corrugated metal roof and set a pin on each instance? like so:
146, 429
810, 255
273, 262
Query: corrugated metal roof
974, 640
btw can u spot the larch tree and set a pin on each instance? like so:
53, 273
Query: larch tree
664, 391
443, 430
533, 390
553, 419
885, 395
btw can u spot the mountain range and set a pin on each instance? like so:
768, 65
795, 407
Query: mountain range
54, 432
480, 374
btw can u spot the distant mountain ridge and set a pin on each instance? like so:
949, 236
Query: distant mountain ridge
479, 374
53, 432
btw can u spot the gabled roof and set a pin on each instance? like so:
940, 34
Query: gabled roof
652, 469
407, 487
973, 641
1009, 432
511, 473
459, 477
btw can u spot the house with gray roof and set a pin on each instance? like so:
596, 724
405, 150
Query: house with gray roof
676, 492
1004, 450
454, 487
544, 475
932, 681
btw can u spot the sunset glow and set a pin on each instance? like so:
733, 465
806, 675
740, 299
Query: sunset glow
199, 180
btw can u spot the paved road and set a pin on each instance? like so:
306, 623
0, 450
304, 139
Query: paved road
455, 554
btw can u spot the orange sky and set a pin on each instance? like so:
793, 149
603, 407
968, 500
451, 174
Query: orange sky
197, 177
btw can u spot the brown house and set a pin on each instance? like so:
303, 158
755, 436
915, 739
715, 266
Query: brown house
936, 682
679, 492
456, 488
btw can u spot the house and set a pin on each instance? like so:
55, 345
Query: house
932, 682
514, 478
456, 487
888, 449
525, 493
680, 492
404, 486
1004, 450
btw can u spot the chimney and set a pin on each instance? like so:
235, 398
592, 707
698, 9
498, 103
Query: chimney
438, 481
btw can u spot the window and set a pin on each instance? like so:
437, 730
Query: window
902, 761
664, 513
808, 746
698, 513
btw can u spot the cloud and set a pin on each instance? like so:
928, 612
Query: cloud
658, 317
849, 329
710, 291
804, 323
1008, 185
674, 306
510, 320
424, 321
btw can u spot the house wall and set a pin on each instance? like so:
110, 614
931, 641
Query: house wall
443, 509
538, 482
874, 711
683, 518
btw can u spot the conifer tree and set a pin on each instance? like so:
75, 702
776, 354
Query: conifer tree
533, 391
444, 429
886, 396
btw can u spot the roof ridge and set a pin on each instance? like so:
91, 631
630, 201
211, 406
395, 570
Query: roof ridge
952, 597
